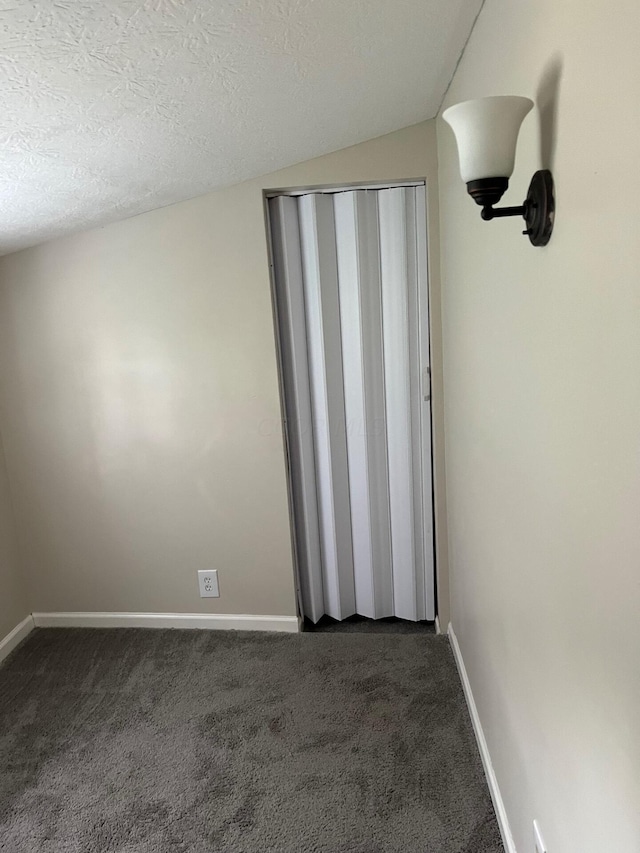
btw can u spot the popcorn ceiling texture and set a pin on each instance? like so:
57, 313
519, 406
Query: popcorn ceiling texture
109, 108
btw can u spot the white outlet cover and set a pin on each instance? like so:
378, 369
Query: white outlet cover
208, 583
540, 845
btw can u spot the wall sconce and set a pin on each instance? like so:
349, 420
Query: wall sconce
486, 132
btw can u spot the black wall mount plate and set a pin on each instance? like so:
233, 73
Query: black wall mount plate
540, 208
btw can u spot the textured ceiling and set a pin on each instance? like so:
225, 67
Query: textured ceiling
109, 108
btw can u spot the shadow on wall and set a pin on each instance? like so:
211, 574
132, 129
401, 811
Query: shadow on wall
547, 98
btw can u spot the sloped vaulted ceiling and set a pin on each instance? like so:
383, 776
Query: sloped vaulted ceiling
112, 107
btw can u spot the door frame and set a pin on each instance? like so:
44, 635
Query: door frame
425, 297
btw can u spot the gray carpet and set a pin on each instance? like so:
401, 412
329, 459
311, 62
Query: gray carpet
133, 741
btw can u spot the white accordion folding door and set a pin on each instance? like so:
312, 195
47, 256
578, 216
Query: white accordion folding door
352, 308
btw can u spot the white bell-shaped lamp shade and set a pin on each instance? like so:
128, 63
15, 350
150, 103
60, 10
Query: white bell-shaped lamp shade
486, 131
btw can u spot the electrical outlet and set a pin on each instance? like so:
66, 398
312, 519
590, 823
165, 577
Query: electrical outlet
208, 583
540, 845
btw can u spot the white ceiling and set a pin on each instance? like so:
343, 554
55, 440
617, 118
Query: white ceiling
109, 108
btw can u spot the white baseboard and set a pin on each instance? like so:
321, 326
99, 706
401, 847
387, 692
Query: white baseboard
15, 637
496, 796
203, 621
438, 628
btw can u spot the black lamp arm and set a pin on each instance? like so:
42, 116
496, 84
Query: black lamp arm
489, 212
538, 209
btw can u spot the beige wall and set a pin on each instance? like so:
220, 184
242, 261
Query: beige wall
13, 599
542, 378
139, 399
